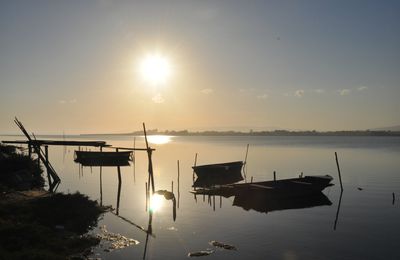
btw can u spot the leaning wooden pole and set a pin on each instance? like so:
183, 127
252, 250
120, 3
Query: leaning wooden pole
245, 164
149, 152
338, 168
38, 151
195, 163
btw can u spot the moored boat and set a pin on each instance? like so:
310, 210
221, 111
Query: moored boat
100, 158
220, 173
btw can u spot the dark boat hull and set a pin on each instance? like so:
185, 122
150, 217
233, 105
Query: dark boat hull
217, 174
89, 158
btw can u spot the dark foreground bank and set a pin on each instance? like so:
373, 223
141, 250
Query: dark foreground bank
35, 224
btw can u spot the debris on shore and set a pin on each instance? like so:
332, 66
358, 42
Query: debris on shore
117, 241
201, 253
222, 245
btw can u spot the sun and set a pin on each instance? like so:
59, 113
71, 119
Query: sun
155, 68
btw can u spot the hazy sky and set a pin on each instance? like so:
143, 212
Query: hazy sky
326, 65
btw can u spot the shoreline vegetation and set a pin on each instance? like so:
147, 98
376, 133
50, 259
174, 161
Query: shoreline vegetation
36, 224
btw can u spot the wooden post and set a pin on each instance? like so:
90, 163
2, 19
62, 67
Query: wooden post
178, 184
149, 153
134, 160
172, 187
195, 162
38, 156
394, 197
46, 156
274, 176
29, 150
338, 168
251, 179
245, 164
119, 185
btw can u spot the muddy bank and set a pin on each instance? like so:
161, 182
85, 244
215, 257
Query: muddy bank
36, 224
39, 225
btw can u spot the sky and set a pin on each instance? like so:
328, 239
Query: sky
74, 66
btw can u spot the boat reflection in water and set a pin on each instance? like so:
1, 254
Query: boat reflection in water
296, 193
258, 201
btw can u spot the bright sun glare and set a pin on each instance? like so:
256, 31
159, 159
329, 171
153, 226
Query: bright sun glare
156, 202
155, 68
159, 139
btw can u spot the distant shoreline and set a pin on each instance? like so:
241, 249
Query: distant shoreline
256, 133
234, 133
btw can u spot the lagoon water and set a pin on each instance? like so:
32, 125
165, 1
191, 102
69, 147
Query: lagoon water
366, 226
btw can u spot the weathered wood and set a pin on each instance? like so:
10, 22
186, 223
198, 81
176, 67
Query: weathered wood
40, 154
274, 176
56, 142
132, 149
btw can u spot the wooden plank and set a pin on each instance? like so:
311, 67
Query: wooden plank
261, 186
302, 182
132, 149
55, 142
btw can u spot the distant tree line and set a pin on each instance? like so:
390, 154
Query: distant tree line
263, 133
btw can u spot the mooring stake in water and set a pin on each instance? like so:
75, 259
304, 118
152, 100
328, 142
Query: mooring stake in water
338, 168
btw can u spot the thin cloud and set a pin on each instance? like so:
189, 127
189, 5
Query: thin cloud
158, 99
344, 92
71, 101
362, 88
299, 93
319, 91
242, 90
264, 96
207, 91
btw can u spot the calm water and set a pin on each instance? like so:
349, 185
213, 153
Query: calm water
367, 226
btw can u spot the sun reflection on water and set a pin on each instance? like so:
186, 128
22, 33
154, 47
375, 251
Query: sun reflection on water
159, 139
156, 202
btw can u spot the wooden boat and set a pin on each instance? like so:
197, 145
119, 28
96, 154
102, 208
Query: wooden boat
220, 173
100, 158
294, 187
